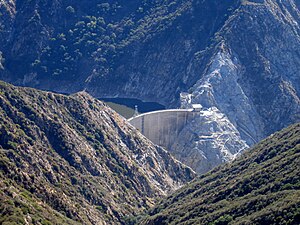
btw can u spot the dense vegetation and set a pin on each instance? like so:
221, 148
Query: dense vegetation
260, 187
102, 30
73, 157
19, 206
85, 34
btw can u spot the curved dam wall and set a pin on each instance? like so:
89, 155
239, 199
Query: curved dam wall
163, 127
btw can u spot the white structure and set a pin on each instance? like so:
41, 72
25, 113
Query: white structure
136, 111
197, 107
163, 127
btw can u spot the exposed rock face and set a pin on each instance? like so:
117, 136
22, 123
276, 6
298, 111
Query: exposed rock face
79, 157
241, 56
220, 87
207, 141
270, 61
253, 76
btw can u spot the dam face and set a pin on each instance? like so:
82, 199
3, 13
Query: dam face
163, 127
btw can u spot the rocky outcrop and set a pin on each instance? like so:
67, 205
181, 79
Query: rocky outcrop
253, 75
220, 87
269, 63
78, 157
208, 140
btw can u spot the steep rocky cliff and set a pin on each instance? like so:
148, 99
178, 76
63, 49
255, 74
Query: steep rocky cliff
208, 140
253, 75
72, 158
240, 57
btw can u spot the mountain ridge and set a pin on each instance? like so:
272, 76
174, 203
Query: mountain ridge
80, 157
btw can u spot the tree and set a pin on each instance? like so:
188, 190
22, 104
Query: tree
70, 9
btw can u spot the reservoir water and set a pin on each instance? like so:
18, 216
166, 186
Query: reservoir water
126, 106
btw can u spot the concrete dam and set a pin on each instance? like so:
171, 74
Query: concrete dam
163, 127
